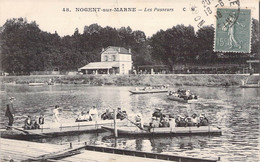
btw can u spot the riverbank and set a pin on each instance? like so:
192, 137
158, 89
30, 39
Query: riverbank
133, 80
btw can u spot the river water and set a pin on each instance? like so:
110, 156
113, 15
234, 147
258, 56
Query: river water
234, 109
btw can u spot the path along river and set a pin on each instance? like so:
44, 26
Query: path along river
234, 109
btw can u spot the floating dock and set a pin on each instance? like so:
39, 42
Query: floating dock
15, 150
59, 130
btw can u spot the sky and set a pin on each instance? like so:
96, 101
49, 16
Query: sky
50, 17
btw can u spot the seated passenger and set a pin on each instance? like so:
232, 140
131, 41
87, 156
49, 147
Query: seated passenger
119, 113
164, 122
181, 121
41, 119
189, 122
28, 123
35, 125
105, 115
81, 117
124, 115
157, 113
154, 123
203, 121
194, 119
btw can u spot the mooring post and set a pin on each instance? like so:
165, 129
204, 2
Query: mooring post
115, 126
70, 145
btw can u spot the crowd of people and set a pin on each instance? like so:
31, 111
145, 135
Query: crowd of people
110, 115
185, 94
31, 123
162, 120
90, 115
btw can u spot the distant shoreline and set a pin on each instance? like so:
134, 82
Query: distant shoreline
133, 80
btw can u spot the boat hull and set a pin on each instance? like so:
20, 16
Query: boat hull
36, 84
203, 130
182, 100
148, 91
250, 86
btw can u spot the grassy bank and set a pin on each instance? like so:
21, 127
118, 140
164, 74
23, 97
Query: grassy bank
134, 80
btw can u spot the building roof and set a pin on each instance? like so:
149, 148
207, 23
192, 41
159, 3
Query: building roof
99, 65
121, 50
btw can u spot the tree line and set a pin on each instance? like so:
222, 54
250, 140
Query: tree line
26, 48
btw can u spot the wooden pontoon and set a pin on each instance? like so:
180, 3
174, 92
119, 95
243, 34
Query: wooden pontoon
52, 130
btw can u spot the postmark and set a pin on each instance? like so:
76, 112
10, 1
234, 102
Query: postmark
233, 30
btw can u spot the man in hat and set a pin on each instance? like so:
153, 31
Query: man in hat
10, 112
203, 120
28, 124
158, 114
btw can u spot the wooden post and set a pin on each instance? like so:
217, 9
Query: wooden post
115, 126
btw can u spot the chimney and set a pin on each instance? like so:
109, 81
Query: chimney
103, 49
129, 51
119, 49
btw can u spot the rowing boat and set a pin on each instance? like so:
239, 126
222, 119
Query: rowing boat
57, 129
148, 91
171, 97
250, 86
36, 84
202, 130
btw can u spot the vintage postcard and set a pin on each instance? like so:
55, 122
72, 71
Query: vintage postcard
129, 80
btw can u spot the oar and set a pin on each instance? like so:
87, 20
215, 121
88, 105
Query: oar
31, 133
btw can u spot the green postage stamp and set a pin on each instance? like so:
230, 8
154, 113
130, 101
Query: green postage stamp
233, 30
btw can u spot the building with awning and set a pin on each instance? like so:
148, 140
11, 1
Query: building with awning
114, 60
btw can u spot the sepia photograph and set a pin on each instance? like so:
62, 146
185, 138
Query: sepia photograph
129, 80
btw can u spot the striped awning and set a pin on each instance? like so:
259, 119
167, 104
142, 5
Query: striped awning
100, 65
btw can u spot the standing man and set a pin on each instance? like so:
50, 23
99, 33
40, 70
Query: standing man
94, 113
10, 112
56, 114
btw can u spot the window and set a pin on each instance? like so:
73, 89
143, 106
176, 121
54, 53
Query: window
114, 57
106, 58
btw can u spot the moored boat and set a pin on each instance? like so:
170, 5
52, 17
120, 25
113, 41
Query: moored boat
250, 86
171, 97
36, 84
202, 130
148, 91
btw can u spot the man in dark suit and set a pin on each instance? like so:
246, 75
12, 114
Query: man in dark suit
10, 112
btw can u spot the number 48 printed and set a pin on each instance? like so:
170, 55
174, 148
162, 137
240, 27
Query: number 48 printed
66, 10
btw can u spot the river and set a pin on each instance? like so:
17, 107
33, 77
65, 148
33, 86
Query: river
235, 110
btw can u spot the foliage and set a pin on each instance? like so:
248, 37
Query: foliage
26, 48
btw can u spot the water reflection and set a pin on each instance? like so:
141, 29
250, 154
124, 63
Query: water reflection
235, 110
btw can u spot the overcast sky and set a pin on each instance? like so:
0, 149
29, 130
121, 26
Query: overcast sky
49, 16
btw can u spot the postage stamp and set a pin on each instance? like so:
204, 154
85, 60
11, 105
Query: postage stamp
233, 30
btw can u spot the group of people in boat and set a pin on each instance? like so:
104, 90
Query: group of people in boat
32, 123
162, 120
182, 93
90, 115
110, 115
